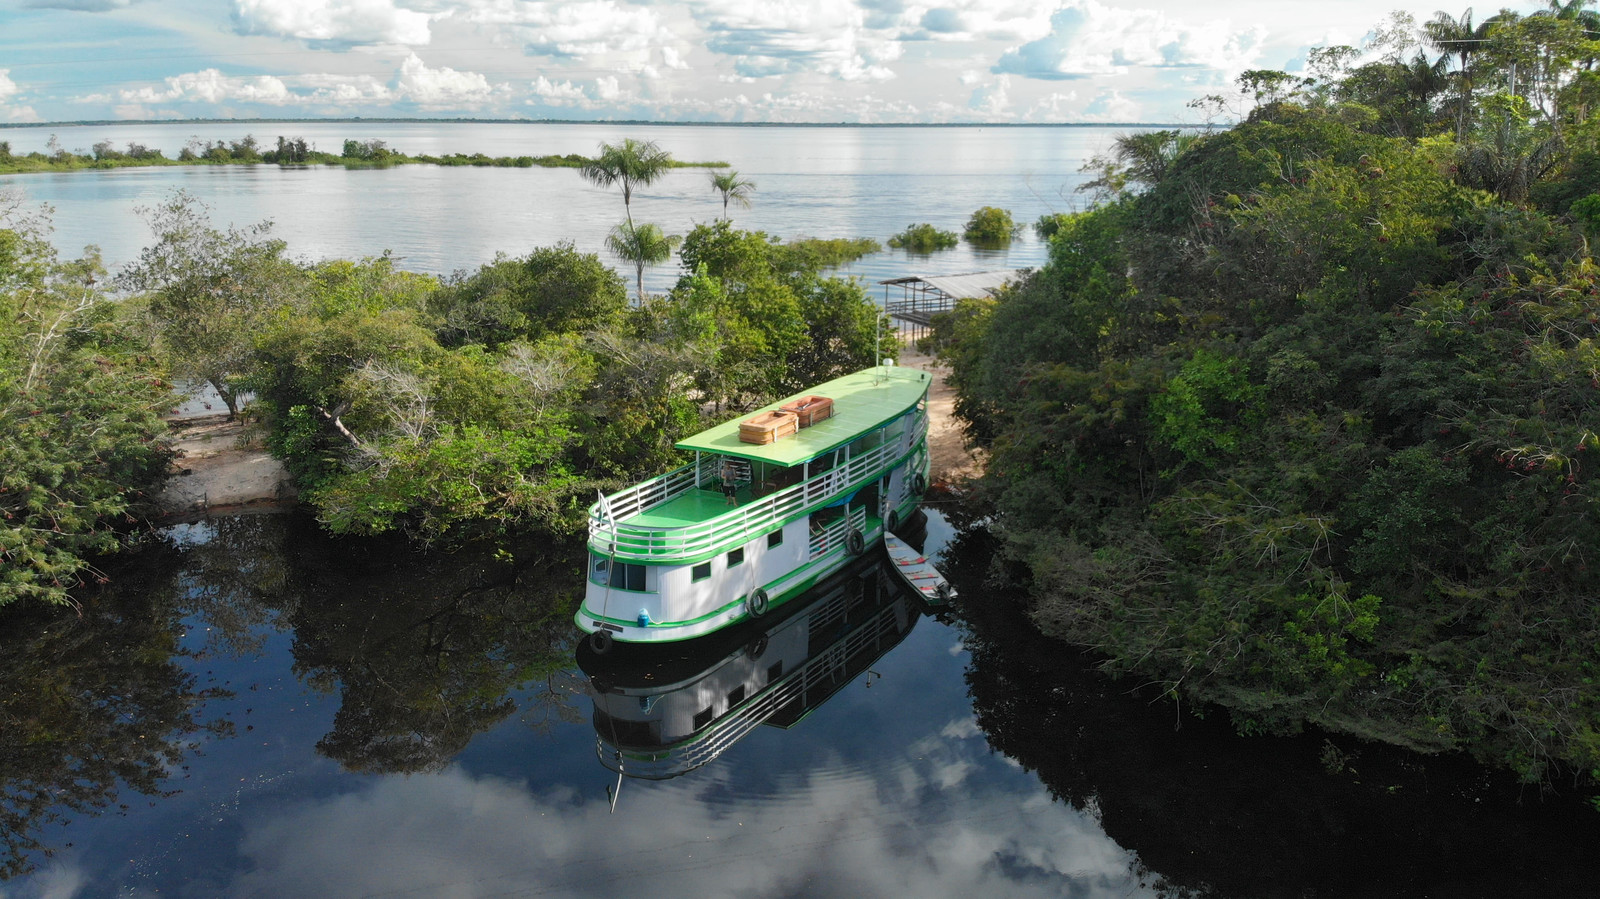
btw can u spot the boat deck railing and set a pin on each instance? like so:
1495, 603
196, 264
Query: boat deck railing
663, 543
835, 534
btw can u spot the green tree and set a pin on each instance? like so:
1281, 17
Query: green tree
733, 187
82, 448
1302, 430
552, 290
641, 245
628, 165
923, 238
1137, 162
210, 291
990, 225
1458, 37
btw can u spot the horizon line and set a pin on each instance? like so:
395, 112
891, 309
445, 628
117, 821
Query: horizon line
636, 122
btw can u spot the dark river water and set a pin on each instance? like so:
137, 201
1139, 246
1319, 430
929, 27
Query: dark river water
252, 709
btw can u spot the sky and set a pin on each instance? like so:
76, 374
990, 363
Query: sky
823, 61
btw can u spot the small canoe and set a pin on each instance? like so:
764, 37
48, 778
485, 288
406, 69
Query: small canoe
916, 570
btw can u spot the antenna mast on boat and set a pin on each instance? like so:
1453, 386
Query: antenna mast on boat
877, 345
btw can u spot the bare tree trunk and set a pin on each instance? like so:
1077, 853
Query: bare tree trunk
332, 418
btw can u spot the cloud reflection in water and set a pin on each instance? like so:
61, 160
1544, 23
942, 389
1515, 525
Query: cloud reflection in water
919, 827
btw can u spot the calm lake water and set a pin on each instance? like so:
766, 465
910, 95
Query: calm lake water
810, 182
255, 710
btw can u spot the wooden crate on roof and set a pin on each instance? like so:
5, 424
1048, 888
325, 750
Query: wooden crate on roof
810, 409
769, 427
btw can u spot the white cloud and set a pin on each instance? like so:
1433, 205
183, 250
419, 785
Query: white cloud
415, 82
1053, 107
442, 87
993, 100
607, 89
977, 20
827, 37
342, 90
672, 59
1088, 38
552, 92
1112, 106
211, 86
8, 89
581, 29
338, 21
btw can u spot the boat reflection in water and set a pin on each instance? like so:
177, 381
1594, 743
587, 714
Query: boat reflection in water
664, 714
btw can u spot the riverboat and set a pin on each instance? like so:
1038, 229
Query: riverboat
773, 503
678, 713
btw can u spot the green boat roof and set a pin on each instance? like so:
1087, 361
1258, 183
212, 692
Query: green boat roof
862, 401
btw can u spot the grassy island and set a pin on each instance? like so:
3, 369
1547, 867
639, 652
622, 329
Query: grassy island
288, 152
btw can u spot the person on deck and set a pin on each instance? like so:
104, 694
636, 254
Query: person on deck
730, 486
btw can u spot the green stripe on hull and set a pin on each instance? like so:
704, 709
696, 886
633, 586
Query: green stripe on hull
672, 631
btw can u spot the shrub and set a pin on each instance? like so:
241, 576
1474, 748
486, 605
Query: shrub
991, 225
923, 238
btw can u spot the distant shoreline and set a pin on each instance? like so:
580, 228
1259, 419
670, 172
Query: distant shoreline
629, 122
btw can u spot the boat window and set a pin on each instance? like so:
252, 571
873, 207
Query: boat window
625, 575
735, 696
735, 556
775, 538
701, 571
627, 733
775, 672
703, 717
597, 568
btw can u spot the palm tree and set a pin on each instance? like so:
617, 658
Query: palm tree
1458, 37
632, 163
1575, 11
732, 187
1587, 19
642, 245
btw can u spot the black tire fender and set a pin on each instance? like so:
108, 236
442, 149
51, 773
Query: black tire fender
757, 604
601, 642
855, 542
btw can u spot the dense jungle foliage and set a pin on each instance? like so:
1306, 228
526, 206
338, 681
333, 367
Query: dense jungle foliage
1298, 421
489, 404
81, 440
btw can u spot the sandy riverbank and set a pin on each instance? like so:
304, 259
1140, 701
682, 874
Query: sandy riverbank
219, 468
951, 459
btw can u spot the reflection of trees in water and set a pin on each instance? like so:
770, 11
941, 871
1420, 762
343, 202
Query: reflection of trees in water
233, 573
90, 705
428, 650
1211, 813
425, 649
